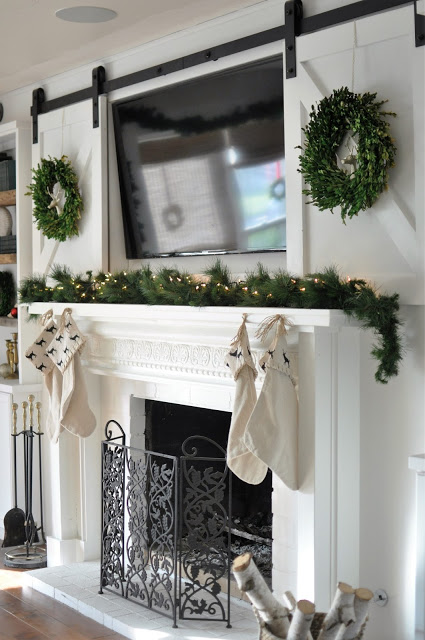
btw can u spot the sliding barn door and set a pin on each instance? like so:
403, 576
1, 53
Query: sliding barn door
385, 243
70, 132
72, 523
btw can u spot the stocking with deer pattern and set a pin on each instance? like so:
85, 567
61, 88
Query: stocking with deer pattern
39, 354
75, 413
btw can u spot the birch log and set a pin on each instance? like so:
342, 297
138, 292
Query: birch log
346, 619
301, 620
340, 614
362, 598
251, 582
291, 603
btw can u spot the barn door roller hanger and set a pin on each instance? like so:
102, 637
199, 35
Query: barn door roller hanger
297, 25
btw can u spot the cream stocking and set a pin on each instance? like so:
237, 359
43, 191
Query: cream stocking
75, 413
245, 464
39, 353
272, 430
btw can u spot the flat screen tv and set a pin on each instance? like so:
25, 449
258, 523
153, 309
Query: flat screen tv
201, 165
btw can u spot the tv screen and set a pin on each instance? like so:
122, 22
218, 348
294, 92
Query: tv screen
202, 166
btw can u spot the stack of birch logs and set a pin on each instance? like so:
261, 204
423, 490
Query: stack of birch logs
346, 619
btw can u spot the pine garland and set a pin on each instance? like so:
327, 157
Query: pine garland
7, 292
321, 290
330, 186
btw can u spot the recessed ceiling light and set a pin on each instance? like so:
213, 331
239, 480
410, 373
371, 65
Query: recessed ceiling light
86, 14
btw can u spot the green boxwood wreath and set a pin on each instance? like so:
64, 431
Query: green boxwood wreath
330, 186
48, 173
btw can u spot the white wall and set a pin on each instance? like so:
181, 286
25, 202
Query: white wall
392, 420
392, 416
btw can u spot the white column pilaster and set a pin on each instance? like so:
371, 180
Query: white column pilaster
417, 463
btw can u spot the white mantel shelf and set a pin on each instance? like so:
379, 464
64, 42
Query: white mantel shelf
302, 319
152, 343
417, 463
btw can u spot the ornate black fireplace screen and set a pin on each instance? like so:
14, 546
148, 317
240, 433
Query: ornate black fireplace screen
166, 528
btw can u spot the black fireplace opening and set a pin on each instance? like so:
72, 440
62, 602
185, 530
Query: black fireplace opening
168, 425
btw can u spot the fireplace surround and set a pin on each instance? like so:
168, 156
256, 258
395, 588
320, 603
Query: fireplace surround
176, 355
167, 427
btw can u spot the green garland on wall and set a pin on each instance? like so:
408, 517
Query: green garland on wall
321, 290
330, 186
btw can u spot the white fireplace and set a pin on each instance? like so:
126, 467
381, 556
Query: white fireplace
176, 354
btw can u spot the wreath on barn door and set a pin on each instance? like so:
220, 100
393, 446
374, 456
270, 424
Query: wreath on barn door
56, 197
351, 178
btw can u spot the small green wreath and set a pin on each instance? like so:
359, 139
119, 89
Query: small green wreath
278, 189
53, 221
330, 186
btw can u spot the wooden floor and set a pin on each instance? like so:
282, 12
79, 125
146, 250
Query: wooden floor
26, 614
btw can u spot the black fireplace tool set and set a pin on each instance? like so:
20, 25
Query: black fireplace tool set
20, 529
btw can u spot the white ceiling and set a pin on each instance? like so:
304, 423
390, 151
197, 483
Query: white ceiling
34, 44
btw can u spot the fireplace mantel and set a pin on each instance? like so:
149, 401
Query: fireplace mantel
176, 354
302, 319
143, 342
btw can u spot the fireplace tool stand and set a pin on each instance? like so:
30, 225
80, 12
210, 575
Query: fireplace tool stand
32, 554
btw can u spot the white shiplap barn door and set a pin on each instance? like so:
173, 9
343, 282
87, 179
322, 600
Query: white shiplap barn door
72, 528
69, 131
384, 244
385, 61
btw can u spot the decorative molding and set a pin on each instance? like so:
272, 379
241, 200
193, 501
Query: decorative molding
133, 355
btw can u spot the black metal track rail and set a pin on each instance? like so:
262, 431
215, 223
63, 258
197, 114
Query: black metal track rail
295, 26
347, 13
207, 55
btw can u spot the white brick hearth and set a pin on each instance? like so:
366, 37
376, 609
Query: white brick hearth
77, 586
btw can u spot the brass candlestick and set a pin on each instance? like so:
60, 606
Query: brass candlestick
15, 351
12, 356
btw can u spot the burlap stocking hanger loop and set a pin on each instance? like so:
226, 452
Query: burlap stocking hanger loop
65, 313
268, 323
44, 319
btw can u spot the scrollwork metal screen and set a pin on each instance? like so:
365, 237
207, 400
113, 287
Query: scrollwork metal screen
166, 528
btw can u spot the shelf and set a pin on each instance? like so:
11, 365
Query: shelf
11, 386
7, 198
156, 315
7, 258
8, 322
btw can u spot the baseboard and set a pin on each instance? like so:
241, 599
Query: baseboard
60, 552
